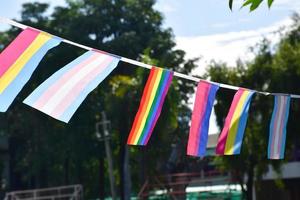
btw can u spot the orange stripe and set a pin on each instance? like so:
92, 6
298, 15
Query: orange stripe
143, 104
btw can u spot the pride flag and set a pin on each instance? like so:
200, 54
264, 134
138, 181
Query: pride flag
278, 125
150, 107
205, 97
231, 138
61, 94
19, 60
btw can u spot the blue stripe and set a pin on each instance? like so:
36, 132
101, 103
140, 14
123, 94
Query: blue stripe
286, 117
34, 96
242, 125
13, 89
275, 110
205, 122
66, 116
158, 101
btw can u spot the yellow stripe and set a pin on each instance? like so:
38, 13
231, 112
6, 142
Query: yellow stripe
234, 124
15, 69
153, 92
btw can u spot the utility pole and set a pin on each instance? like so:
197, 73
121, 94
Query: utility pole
105, 137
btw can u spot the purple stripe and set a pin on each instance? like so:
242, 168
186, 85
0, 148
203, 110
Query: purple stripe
199, 133
170, 76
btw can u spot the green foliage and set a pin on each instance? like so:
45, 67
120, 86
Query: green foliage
275, 70
253, 4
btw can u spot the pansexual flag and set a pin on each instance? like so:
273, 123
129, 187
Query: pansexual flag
231, 138
19, 60
278, 125
61, 94
150, 107
205, 97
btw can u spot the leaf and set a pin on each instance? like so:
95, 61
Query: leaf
270, 2
230, 4
247, 2
255, 4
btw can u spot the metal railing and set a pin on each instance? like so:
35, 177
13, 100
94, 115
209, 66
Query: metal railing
174, 185
71, 192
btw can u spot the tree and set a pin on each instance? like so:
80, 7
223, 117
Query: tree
48, 152
274, 69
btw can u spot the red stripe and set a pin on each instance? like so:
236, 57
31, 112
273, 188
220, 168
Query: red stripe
145, 98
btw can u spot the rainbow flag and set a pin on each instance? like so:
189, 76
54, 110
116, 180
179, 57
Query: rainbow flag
278, 125
19, 60
231, 138
150, 107
205, 97
61, 94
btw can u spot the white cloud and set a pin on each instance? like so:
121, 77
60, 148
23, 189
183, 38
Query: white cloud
293, 5
227, 47
221, 25
166, 6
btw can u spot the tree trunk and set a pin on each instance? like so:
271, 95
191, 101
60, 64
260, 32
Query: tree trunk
101, 178
249, 195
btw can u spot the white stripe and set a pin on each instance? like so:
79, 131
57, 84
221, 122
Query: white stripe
64, 90
277, 130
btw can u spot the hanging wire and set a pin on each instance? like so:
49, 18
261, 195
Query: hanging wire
137, 63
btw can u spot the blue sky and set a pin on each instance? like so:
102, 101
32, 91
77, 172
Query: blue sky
194, 17
208, 29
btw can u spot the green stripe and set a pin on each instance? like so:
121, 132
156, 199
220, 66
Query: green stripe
163, 76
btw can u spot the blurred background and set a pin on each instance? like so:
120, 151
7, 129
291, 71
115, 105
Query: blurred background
88, 158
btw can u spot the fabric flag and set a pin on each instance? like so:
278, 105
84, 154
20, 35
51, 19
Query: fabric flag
19, 60
278, 125
150, 107
61, 94
205, 97
230, 140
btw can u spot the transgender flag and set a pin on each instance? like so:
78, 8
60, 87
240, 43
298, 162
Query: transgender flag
278, 127
205, 97
61, 94
19, 60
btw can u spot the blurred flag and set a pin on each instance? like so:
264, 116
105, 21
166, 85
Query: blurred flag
150, 107
61, 94
231, 138
19, 60
205, 97
278, 127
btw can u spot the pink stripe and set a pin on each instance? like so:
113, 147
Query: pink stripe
16, 48
281, 125
275, 127
197, 116
43, 99
78, 88
223, 137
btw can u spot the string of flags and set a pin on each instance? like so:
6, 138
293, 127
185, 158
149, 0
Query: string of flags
62, 93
